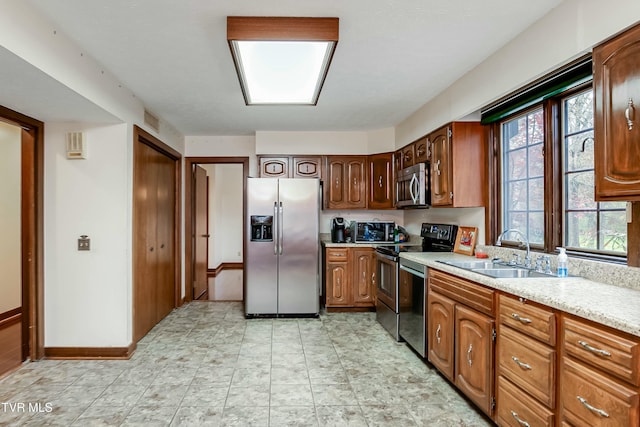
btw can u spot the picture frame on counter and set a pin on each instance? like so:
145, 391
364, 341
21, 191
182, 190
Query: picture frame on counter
466, 240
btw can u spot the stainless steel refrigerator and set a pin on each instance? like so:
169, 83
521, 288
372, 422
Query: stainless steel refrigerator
281, 261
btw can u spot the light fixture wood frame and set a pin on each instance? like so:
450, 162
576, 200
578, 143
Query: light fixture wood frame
272, 28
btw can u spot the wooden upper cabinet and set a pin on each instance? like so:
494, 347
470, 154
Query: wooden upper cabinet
307, 167
274, 167
381, 181
397, 161
422, 150
458, 165
346, 183
616, 82
408, 156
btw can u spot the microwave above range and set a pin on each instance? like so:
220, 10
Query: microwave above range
372, 231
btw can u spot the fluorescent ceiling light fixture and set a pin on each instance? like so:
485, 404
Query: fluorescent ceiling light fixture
282, 60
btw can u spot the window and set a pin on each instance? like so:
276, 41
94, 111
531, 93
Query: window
546, 184
523, 175
588, 225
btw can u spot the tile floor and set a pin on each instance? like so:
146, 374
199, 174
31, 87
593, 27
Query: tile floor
206, 365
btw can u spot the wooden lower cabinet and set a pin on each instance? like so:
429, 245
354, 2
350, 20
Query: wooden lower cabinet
350, 277
364, 261
591, 399
517, 409
474, 356
599, 382
460, 340
440, 333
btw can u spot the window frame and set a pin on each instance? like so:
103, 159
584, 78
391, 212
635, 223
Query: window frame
554, 190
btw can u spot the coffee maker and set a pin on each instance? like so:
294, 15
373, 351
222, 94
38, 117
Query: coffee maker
338, 230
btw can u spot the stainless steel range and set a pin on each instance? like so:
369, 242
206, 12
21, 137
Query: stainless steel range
400, 306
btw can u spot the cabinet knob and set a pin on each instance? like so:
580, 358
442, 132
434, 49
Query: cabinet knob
380, 181
629, 114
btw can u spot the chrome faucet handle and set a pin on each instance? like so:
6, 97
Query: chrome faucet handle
527, 261
516, 260
538, 266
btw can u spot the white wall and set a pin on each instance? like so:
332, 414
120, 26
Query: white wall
565, 33
274, 142
468, 217
223, 146
88, 293
10, 217
225, 213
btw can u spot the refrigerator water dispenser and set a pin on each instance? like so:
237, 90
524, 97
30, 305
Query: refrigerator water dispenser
261, 228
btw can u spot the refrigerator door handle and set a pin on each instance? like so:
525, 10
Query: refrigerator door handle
276, 228
280, 229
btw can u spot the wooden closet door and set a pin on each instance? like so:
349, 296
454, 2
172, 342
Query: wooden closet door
146, 273
165, 261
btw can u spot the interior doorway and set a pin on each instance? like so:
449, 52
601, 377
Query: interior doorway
215, 186
21, 250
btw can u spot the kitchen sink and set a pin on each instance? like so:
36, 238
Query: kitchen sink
498, 270
508, 272
474, 265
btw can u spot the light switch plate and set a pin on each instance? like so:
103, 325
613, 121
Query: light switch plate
629, 212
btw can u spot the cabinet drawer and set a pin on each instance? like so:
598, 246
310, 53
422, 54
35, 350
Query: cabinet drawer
528, 364
591, 399
515, 408
337, 254
613, 353
468, 293
537, 322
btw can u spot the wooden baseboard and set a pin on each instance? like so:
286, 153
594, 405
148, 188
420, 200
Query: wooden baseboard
89, 353
10, 340
213, 272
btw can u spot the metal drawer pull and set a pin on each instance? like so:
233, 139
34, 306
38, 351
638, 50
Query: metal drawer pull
520, 421
524, 320
592, 408
594, 350
438, 333
469, 361
521, 364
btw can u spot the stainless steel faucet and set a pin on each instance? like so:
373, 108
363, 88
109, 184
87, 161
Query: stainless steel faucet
527, 258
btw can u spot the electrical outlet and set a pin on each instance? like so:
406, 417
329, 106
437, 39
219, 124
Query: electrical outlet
84, 243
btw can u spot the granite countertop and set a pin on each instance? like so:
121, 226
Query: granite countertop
614, 306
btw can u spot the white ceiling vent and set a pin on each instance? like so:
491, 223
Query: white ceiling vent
76, 145
152, 121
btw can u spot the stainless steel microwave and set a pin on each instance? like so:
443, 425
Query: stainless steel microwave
412, 187
372, 231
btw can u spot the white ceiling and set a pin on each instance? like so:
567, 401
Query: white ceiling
392, 57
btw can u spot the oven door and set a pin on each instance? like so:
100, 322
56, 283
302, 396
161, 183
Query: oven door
411, 302
387, 280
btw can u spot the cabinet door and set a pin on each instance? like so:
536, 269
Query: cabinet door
474, 356
517, 409
346, 182
441, 168
356, 183
408, 156
274, 167
397, 161
307, 167
380, 181
363, 291
338, 284
423, 150
440, 333
617, 117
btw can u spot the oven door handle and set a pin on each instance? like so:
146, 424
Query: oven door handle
387, 257
412, 271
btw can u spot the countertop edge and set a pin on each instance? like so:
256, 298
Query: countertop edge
613, 306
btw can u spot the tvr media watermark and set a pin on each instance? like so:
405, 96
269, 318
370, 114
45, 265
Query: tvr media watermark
20, 407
